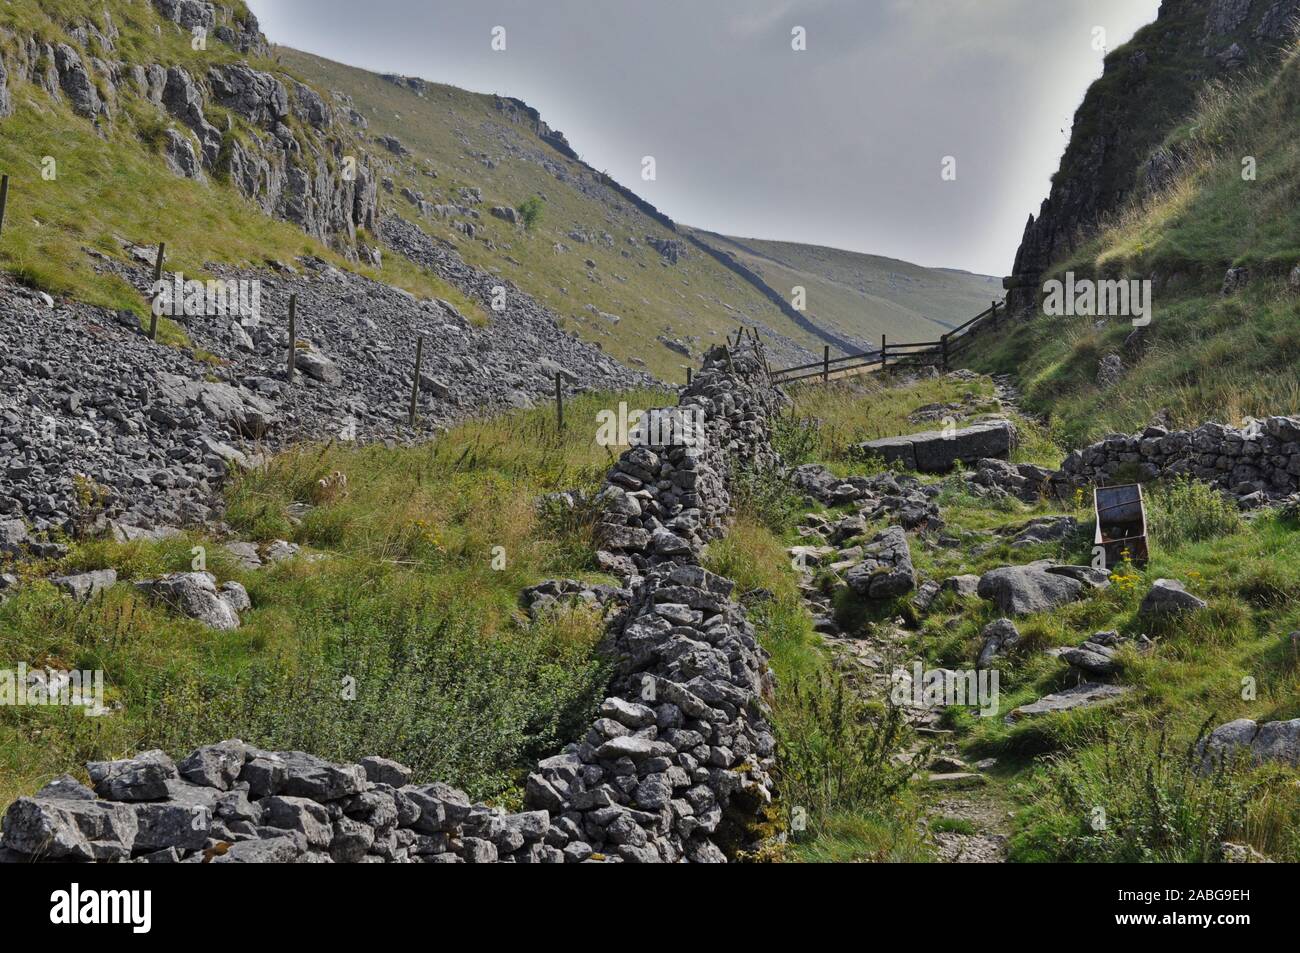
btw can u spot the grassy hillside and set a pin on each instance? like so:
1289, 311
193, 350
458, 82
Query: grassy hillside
469, 143
864, 296
111, 185
1206, 355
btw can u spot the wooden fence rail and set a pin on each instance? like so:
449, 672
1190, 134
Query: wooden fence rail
911, 354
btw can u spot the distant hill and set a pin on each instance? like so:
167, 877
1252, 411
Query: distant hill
859, 296
618, 272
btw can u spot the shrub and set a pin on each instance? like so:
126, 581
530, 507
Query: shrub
1129, 798
530, 209
1188, 511
834, 755
764, 496
797, 439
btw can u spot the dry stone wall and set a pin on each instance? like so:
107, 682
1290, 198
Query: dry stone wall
1257, 464
680, 748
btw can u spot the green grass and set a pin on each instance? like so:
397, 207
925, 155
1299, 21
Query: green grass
826, 422
1233, 660
865, 296
395, 603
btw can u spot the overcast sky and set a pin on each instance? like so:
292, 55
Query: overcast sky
841, 144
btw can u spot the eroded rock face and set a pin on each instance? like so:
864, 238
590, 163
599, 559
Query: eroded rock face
6, 99
1115, 131
76, 83
188, 13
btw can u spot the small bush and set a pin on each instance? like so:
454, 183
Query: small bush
530, 209
834, 755
1131, 798
764, 496
797, 439
1187, 511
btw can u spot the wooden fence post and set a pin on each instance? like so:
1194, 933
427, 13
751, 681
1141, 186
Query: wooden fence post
688, 377
884, 351
559, 402
293, 337
943, 341
415, 384
157, 277
995, 315
826, 363
4, 200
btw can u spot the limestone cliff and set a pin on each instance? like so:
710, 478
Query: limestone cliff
1147, 87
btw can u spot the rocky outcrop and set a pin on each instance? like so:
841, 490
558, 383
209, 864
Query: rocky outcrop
310, 175
938, 451
680, 745
188, 14
76, 83
1025, 590
6, 98
1115, 132
1256, 464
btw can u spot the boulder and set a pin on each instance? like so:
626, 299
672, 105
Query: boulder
1169, 597
385, 771
1025, 590
317, 366
142, 778
1080, 696
1268, 743
215, 766
886, 570
13, 536
57, 829
1000, 637
194, 594
308, 776
938, 451
86, 585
